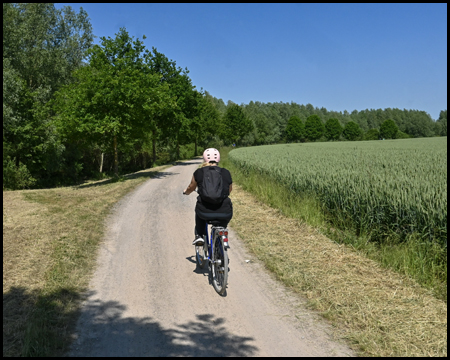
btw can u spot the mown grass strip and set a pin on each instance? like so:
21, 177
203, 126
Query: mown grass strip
50, 242
378, 311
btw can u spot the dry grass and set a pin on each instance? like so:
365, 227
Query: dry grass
377, 310
50, 238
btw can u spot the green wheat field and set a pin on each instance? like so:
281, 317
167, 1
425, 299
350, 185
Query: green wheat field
387, 187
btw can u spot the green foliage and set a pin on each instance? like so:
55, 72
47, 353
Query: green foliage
235, 124
441, 123
181, 124
402, 135
205, 122
333, 129
388, 129
45, 44
294, 129
314, 128
41, 48
352, 131
267, 123
115, 98
372, 134
16, 176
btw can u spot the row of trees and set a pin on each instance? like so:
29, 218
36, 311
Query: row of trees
332, 130
281, 122
42, 47
72, 110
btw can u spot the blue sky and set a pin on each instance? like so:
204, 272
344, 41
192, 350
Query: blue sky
337, 56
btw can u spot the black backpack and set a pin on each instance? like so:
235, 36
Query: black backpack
211, 190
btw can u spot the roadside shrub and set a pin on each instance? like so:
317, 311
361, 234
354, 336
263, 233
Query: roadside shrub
372, 134
402, 135
16, 177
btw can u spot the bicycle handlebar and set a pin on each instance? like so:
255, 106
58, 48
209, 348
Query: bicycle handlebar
184, 193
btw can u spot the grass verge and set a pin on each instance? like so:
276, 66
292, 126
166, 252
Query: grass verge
50, 241
381, 312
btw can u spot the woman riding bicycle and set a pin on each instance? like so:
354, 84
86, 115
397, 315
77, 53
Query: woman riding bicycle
221, 211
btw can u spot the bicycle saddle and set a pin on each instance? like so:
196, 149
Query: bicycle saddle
214, 222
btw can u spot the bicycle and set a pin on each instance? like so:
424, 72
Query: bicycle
214, 252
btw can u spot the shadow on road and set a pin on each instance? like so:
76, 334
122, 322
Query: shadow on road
106, 332
110, 334
204, 271
141, 174
185, 163
149, 173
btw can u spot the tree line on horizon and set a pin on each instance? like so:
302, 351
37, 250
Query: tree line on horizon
74, 111
291, 122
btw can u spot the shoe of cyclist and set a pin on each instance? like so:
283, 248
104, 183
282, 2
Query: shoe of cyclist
198, 242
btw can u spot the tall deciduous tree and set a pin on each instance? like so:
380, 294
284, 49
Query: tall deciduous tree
333, 129
176, 125
115, 98
314, 128
235, 124
294, 129
388, 129
205, 122
352, 131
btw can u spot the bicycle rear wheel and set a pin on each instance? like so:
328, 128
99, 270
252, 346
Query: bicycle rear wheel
220, 267
200, 256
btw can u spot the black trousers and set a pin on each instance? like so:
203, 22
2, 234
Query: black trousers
200, 225
222, 213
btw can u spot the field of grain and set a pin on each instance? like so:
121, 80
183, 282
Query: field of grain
383, 188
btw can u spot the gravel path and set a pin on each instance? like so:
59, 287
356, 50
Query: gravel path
147, 298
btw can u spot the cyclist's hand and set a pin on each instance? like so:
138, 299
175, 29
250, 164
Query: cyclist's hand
184, 192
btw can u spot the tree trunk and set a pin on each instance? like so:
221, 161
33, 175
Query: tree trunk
101, 161
144, 160
154, 146
195, 151
116, 158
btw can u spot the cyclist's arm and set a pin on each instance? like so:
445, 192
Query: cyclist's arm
191, 186
231, 187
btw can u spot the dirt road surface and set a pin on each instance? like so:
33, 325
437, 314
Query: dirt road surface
147, 298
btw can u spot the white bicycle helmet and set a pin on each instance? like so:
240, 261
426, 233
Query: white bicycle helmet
211, 154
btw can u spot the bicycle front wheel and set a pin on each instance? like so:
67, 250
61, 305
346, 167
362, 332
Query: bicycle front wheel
219, 267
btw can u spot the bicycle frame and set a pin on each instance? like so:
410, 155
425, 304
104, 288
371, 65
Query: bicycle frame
214, 251
210, 242
217, 260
